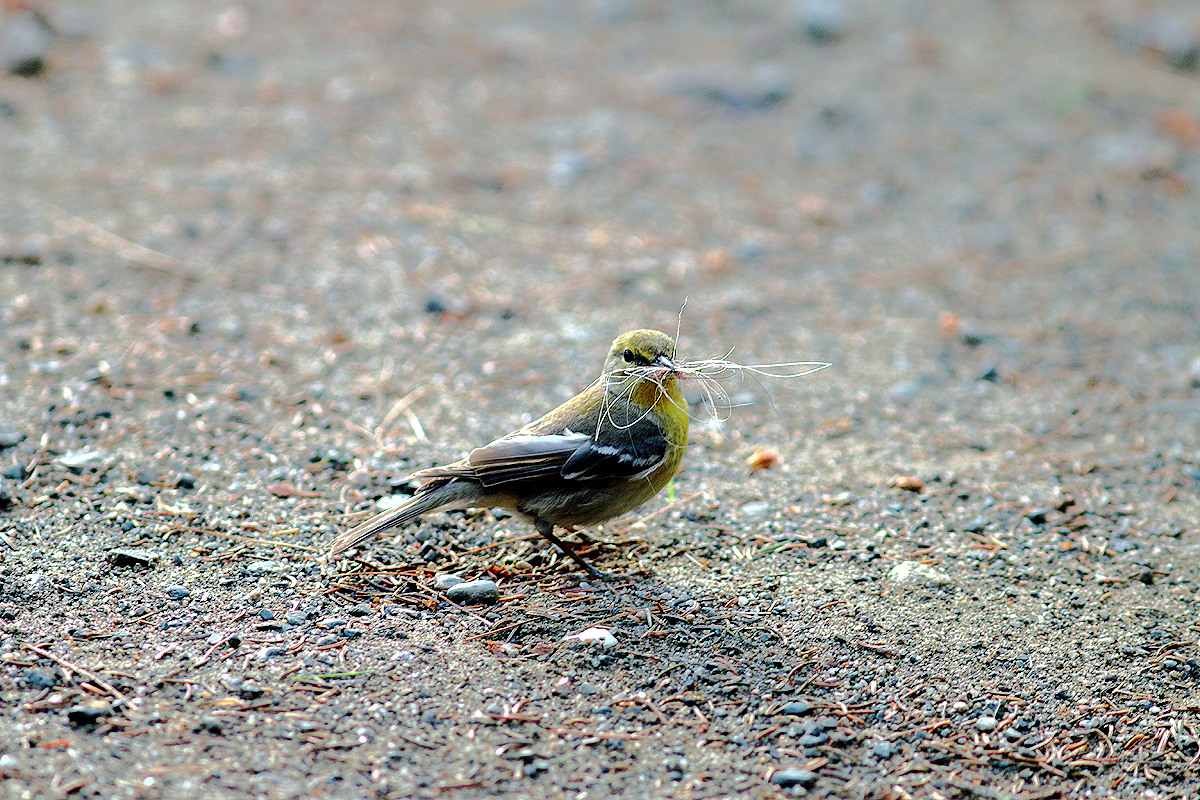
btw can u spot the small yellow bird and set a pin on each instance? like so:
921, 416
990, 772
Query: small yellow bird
602, 453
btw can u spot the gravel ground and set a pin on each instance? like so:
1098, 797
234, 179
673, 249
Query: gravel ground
258, 262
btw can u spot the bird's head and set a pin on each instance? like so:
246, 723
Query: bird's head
644, 354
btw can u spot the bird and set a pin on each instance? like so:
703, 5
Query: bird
604, 452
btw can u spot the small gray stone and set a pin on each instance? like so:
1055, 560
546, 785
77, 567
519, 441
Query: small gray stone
474, 593
977, 525
267, 653
82, 459
41, 678
361, 610
89, 714
883, 750
131, 557
444, 580
916, 573
10, 438
266, 614
797, 708
986, 723
265, 567
295, 617
178, 592
794, 777
823, 21
211, 725
24, 45
756, 509
814, 738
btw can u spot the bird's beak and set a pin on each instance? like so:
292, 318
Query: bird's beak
667, 365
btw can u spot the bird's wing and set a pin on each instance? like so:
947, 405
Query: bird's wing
616, 452
523, 456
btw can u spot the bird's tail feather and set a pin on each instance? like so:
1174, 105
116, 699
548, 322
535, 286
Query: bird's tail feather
448, 496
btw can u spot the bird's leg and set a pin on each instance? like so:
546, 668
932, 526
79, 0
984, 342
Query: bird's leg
547, 532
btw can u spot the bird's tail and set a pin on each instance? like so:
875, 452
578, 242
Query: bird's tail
429, 498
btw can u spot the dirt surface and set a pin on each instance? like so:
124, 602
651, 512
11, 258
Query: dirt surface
260, 261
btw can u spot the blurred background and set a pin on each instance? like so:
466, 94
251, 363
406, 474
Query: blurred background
260, 260
970, 207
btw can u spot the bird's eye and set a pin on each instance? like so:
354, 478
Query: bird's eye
629, 356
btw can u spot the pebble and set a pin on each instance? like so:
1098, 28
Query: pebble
178, 592
883, 750
986, 723
41, 678
813, 739
266, 614
794, 777
1167, 35
10, 438
915, 573
977, 525
6, 499
444, 580
909, 483
88, 714
823, 21
295, 617
267, 653
265, 567
361, 610
24, 45
210, 725
81, 459
600, 636
474, 593
333, 622
796, 708
131, 557
756, 509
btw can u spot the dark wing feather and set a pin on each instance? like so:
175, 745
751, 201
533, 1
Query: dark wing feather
618, 453
524, 456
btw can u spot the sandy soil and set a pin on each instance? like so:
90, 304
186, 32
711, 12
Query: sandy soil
258, 262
